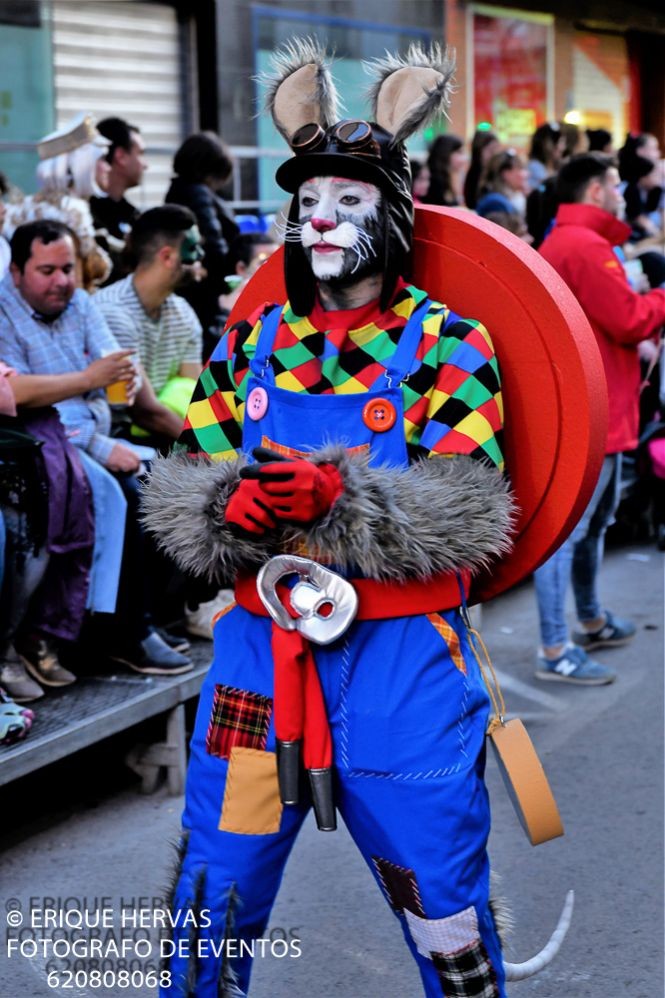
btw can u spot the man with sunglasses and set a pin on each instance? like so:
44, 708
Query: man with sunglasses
355, 485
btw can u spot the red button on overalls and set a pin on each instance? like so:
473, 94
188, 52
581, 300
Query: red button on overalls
379, 415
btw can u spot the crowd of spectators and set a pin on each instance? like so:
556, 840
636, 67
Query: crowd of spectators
107, 315
516, 188
569, 199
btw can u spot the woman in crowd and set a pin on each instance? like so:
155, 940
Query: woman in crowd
447, 162
575, 140
202, 167
503, 185
483, 146
545, 154
420, 180
639, 167
600, 140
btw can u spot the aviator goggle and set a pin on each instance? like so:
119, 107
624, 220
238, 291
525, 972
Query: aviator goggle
348, 136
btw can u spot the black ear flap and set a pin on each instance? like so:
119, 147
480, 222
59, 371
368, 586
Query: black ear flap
300, 280
301, 89
411, 90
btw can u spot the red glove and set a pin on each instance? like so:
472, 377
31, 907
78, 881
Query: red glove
248, 510
295, 490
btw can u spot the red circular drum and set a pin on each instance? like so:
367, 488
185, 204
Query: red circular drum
554, 392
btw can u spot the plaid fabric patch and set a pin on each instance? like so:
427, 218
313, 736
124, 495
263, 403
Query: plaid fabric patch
452, 399
467, 973
449, 635
239, 717
400, 886
292, 452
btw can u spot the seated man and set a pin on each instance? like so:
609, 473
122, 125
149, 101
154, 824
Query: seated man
145, 315
56, 340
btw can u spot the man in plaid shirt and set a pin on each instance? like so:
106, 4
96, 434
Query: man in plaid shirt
64, 355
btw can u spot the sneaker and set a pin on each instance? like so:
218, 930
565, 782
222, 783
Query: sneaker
40, 656
614, 632
199, 622
153, 657
15, 679
574, 666
15, 721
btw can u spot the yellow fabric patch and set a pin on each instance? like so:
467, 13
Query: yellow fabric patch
363, 335
404, 308
433, 323
251, 797
200, 414
475, 426
301, 328
288, 382
437, 399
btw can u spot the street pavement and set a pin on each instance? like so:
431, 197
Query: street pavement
81, 830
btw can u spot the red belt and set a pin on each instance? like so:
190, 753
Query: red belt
298, 699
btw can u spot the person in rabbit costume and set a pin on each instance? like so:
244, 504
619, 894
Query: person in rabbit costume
344, 469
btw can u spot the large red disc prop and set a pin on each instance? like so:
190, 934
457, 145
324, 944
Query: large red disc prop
554, 391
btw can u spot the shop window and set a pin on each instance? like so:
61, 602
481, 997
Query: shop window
26, 87
511, 71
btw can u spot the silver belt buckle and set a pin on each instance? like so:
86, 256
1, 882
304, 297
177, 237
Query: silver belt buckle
317, 588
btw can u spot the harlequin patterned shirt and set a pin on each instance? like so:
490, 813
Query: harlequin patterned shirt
452, 398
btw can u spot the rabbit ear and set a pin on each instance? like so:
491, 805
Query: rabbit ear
410, 90
301, 89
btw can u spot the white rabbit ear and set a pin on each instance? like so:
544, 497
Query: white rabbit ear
300, 89
411, 90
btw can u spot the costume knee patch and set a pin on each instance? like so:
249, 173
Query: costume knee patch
400, 886
454, 946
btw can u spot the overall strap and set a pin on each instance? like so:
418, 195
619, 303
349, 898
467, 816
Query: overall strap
260, 363
401, 361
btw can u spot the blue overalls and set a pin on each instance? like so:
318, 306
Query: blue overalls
407, 710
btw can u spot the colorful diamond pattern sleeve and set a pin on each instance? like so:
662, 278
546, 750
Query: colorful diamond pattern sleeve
452, 398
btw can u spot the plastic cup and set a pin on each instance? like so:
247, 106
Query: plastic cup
116, 394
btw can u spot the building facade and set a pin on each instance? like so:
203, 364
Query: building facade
598, 65
176, 66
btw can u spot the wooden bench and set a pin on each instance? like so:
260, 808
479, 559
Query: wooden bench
99, 706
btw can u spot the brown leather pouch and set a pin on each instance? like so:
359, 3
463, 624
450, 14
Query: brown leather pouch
525, 781
518, 760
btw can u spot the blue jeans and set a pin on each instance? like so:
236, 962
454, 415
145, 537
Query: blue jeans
578, 557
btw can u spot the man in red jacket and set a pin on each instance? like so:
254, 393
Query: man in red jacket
580, 248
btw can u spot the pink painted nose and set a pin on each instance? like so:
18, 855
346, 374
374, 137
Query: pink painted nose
322, 224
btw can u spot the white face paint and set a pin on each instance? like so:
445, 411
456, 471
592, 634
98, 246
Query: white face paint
340, 230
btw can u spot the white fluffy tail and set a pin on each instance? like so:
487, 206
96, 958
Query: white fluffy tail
519, 971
